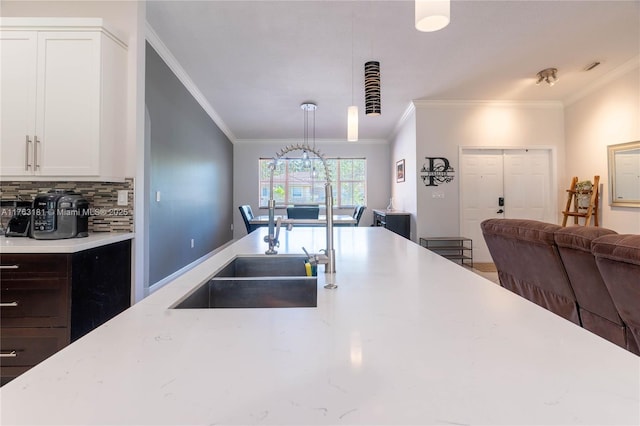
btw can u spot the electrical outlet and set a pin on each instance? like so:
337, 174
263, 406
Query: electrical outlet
157, 196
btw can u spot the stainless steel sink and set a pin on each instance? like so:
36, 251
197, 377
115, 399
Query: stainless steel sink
256, 281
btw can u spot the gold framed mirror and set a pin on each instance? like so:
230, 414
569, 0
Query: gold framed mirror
624, 174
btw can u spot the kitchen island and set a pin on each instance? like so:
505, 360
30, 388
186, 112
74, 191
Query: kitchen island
408, 337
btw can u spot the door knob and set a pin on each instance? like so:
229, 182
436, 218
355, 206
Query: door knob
500, 211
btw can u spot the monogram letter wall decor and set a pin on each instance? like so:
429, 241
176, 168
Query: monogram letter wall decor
436, 171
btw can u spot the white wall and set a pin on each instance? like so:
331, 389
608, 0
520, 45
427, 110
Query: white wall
608, 115
245, 173
403, 146
443, 127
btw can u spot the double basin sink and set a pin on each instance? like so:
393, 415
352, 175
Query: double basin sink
256, 281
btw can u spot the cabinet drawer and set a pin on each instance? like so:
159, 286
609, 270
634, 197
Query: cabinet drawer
27, 266
28, 346
34, 303
9, 373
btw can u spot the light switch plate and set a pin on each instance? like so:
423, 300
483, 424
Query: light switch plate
123, 197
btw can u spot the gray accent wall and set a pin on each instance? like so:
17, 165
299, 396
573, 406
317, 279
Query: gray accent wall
191, 166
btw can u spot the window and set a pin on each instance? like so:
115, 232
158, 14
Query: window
297, 183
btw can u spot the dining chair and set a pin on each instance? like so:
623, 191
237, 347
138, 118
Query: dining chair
303, 212
247, 215
357, 214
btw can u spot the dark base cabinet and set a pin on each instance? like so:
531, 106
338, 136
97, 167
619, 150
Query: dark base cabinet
49, 300
396, 221
105, 274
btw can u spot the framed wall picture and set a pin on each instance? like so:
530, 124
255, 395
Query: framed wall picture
400, 171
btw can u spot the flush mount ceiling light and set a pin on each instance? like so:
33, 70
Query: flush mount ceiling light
372, 88
432, 15
549, 75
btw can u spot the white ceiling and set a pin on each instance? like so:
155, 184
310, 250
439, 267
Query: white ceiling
257, 61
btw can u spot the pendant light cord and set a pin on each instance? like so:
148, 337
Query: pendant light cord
352, 19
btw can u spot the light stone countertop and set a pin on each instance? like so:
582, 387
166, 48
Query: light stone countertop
408, 337
67, 245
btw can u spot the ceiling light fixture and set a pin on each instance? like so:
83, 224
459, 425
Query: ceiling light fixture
549, 75
306, 107
372, 88
432, 15
352, 111
352, 123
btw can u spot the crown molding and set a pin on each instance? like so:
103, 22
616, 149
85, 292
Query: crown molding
605, 79
173, 64
318, 141
405, 116
420, 103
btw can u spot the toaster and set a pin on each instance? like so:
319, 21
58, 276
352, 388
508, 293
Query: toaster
59, 214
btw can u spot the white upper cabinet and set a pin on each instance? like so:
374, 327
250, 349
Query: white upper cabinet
18, 101
63, 99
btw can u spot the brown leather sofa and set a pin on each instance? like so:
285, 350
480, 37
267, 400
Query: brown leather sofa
595, 306
528, 263
618, 260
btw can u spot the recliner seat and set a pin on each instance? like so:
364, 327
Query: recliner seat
618, 260
528, 263
597, 311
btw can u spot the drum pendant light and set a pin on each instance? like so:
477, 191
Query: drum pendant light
372, 88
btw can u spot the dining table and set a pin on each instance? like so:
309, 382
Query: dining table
338, 220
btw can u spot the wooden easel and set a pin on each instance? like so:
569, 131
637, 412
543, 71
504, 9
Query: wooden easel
578, 211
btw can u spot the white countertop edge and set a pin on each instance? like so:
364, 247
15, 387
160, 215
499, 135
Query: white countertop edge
69, 245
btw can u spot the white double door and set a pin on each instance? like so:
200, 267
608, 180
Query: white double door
503, 183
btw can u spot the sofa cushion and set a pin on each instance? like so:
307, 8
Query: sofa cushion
580, 237
622, 248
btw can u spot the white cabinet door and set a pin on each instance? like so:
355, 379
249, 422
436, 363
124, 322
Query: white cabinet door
18, 53
63, 99
68, 104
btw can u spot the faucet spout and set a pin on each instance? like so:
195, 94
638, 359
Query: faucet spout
330, 268
272, 237
329, 256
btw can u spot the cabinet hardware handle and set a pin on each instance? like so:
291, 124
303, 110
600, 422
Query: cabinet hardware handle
27, 164
35, 152
9, 304
9, 266
11, 354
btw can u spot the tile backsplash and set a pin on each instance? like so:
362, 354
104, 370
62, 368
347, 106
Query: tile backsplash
106, 215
